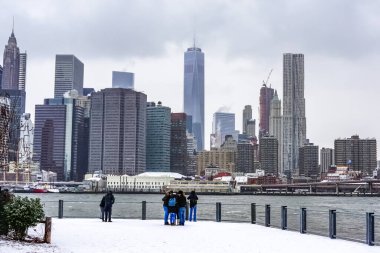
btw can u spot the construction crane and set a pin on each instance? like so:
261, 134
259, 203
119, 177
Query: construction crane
266, 82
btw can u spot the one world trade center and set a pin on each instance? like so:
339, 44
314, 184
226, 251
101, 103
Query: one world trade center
194, 92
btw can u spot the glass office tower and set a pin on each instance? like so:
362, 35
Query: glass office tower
68, 75
194, 90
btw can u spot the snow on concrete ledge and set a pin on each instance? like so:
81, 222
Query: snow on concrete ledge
121, 235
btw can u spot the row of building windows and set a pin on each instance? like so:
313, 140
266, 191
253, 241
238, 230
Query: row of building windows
138, 183
142, 187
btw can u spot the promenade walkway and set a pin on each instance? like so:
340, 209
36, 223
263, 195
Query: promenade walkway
138, 236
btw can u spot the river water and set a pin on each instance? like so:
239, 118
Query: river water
351, 211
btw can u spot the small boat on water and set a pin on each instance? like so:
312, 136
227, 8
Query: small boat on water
53, 190
39, 190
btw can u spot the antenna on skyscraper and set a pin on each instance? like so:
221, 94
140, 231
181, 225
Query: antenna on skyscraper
13, 24
194, 37
194, 31
266, 82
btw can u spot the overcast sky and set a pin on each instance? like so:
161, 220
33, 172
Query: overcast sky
242, 42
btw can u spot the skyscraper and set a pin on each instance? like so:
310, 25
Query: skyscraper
266, 96
269, 154
251, 128
85, 102
358, 154
327, 159
308, 161
12, 72
49, 138
245, 157
4, 128
1, 75
223, 124
275, 126
22, 71
68, 75
17, 108
194, 92
247, 115
123, 80
178, 143
158, 122
118, 132
191, 167
294, 121
11, 64
58, 138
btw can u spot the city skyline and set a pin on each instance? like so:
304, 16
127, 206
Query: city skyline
340, 57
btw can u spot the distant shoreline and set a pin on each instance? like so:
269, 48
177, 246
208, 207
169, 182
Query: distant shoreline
289, 194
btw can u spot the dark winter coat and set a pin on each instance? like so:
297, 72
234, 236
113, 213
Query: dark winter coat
181, 201
193, 199
109, 200
103, 202
166, 200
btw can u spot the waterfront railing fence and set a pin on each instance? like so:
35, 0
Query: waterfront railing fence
353, 226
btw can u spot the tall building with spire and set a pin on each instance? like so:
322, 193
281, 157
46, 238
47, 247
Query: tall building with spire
275, 126
294, 120
194, 90
11, 64
13, 87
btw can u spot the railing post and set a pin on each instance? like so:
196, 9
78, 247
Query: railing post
187, 211
253, 213
267, 215
370, 238
303, 220
218, 212
143, 210
284, 217
332, 224
60, 209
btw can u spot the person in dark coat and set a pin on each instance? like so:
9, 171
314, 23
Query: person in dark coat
102, 204
193, 206
165, 204
109, 200
181, 199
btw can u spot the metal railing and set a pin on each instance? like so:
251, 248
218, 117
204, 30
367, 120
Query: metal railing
359, 227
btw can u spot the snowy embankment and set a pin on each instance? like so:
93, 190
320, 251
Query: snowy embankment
92, 235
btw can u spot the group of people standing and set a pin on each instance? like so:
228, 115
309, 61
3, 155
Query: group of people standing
106, 206
174, 205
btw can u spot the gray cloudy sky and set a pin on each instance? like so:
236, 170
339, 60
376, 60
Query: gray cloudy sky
242, 42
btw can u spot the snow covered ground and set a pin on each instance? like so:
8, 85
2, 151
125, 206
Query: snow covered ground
121, 235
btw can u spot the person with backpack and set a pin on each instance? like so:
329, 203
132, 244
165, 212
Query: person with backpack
165, 199
109, 200
181, 200
193, 206
102, 204
172, 207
